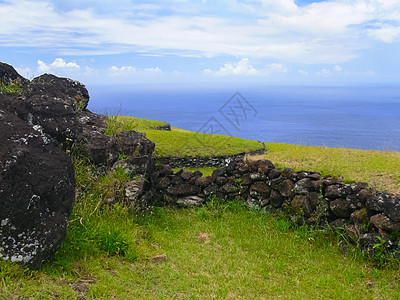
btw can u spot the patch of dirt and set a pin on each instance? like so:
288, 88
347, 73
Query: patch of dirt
159, 258
204, 237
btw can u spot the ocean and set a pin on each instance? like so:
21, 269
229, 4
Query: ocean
360, 117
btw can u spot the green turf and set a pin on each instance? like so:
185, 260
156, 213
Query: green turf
220, 251
381, 169
179, 142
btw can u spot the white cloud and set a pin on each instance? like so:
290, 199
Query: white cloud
323, 32
338, 68
302, 72
387, 34
60, 63
42, 67
130, 70
276, 68
245, 68
155, 70
57, 65
324, 72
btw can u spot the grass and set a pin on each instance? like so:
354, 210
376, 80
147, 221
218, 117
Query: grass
381, 169
13, 87
220, 251
179, 142
207, 171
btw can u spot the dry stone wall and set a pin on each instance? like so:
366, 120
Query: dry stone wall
313, 198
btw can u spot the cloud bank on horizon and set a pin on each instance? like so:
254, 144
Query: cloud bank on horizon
268, 40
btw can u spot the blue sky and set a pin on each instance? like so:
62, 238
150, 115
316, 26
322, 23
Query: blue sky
269, 41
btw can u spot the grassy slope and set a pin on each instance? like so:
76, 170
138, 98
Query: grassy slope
249, 255
179, 142
380, 169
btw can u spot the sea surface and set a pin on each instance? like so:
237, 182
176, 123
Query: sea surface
361, 117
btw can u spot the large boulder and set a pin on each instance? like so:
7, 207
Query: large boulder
9, 75
37, 191
54, 103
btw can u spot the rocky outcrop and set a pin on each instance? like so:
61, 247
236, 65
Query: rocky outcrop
37, 185
8, 75
37, 191
165, 127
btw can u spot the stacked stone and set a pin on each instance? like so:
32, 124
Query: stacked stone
316, 199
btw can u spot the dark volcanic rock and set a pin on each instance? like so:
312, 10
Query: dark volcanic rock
340, 208
276, 199
37, 192
8, 75
54, 104
301, 205
303, 186
286, 188
383, 222
134, 143
184, 189
203, 181
392, 208
260, 190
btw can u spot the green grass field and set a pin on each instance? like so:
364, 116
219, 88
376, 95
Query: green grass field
381, 169
179, 142
218, 251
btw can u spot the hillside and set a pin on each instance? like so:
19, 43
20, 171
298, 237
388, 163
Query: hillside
221, 250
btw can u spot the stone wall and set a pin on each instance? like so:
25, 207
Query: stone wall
211, 161
313, 198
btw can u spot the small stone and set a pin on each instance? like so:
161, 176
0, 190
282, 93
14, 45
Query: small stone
190, 201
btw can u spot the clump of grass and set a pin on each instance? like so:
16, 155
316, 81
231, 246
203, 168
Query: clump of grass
207, 171
116, 124
12, 87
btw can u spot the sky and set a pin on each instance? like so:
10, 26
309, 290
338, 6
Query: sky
163, 41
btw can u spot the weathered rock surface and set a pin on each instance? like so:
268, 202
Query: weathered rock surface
54, 103
190, 201
37, 183
9, 75
37, 191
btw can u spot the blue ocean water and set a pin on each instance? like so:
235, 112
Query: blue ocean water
361, 117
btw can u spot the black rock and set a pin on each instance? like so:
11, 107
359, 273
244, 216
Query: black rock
37, 192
